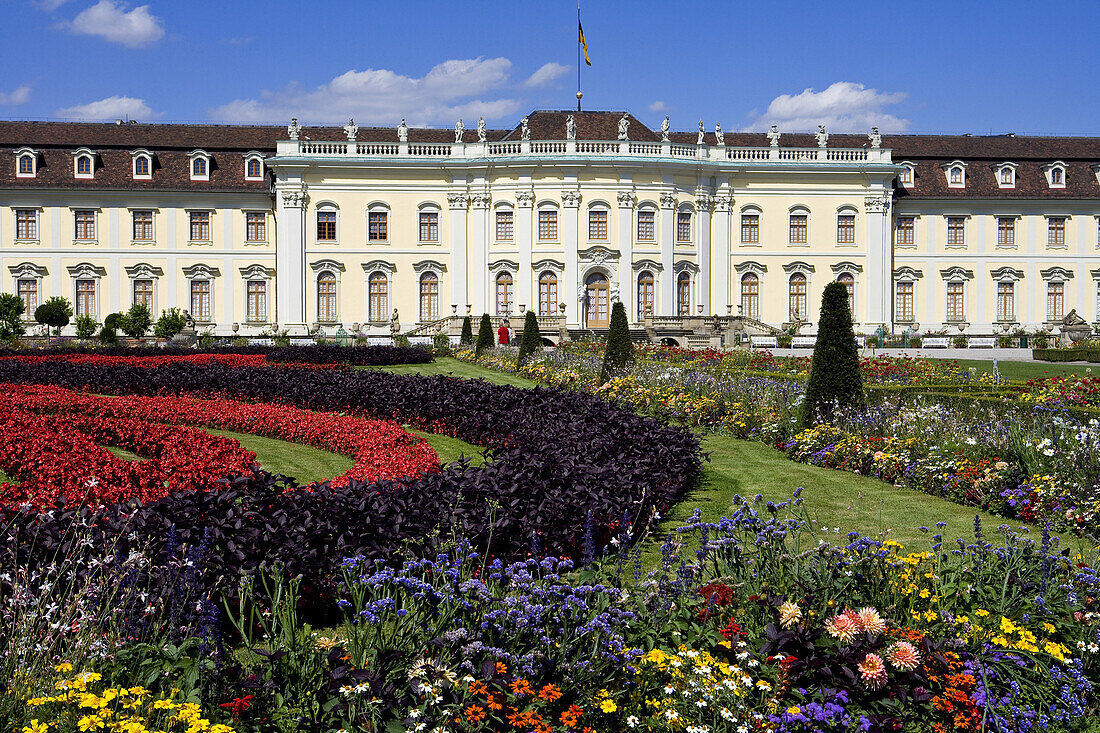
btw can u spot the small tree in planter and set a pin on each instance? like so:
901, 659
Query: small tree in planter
620, 349
136, 322
54, 313
11, 317
85, 327
108, 335
171, 322
484, 336
835, 379
531, 340
467, 338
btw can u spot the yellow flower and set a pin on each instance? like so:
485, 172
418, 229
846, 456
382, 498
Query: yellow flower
35, 726
90, 722
794, 710
64, 668
982, 612
608, 706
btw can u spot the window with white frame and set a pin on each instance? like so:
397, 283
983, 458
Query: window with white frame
326, 297
84, 163
200, 300
255, 226
506, 294
143, 293
141, 165
548, 225
27, 290
1056, 300
199, 230
904, 293
956, 177
646, 293
26, 163
1006, 176
798, 303
84, 225
85, 298
597, 224
750, 227
647, 225
378, 297
378, 224
798, 227
142, 225
905, 177
429, 296
846, 227
326, 223
1006, 301
1006, 231
256, 301
683, 293
904, 231
1056, 232
26, 224
848, 280
750, 295
956, 231
1056, 174
548, 294
683, 226
429, 226
199, 165
956, 301
505, 225
253, 166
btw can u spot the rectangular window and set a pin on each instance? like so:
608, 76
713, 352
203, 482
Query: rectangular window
378, 226
84, 225
1006, 301
429, 226
257, 301
846, 229
200, 300
326, 226
26, 224
750, 229
85, 298
1006, 231
326, 298
378, 297
955, 309
505, 226
143, 226
28, 292
255, 226
1056, 231
956, 230
143, 293
903, 302
683, 226
1056, 301
548, 225
904, 231
646, 228
548, 295
597, 225
200, 226
799, 228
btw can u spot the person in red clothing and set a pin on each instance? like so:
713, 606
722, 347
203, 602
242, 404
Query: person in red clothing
503, 333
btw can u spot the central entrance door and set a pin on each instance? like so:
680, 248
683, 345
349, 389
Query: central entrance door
596, 303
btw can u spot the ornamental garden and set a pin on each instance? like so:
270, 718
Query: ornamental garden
598, 537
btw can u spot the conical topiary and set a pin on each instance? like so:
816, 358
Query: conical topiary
620, 349
467, 338
835, 379
484, 336
531, 340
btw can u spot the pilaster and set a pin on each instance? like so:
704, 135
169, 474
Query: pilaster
290, 256
525, 200
479, 244
457, 202
667, 302
625, 286
704, 204
879, 258
723, 206
570, 201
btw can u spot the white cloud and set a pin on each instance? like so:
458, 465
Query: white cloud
546, 74
843, 107
659, 106
456, 88
110, 20
111, 108
21, 95
49, 5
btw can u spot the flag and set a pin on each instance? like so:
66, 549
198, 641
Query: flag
584, 43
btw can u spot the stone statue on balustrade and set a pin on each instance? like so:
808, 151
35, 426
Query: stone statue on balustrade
395, 324
875, 138
570, 128
403, 131
702, 131
773, 136
294, 130
351, 130
481, 129
822, 136
665, 127
459, 129
524, 130
624, 126
719, 136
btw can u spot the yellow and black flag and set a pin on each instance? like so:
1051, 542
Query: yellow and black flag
584, 43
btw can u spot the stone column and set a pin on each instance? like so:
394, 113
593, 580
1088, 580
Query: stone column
666, 305
457, 202
879, 258
523, 232
703, 206
290, 257
626, 251
571, 201
720, 268
479, 245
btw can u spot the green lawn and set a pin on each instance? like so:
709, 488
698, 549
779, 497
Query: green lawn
450, 367
1021, 371
450, 449
303, 462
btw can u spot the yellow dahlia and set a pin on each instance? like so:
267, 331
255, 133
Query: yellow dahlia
789, 614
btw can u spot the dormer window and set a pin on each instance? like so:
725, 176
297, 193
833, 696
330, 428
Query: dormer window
200, 165
143, 165
84, 163
905, 177
956, 174
253, 166
1006, 175
26, 163
1056, 174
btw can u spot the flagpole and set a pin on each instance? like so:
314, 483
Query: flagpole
578, 57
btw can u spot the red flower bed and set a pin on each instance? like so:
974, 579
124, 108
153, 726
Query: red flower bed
232, 360
380, 449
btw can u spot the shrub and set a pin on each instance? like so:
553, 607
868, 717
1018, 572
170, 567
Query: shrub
784, 340
107, 336
835, 379
113, 321
11, 317
54, 313
85, 327
171, 322
484, 335
136, 322
531, 340
401, 341
620, 350
1040, 341
959, 342
1004, 342
467, 338
441, 344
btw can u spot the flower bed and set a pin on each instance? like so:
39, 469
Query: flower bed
247, 355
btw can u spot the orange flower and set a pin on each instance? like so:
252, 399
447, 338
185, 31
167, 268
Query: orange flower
502, 668
521, 687
570, 717
550, 692
475, 713
478, 688
494, 701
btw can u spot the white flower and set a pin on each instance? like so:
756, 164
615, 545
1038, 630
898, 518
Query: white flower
633, 721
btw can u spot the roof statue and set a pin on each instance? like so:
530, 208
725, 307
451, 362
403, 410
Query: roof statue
665, 127
403, 131
570, 128
524, 130
293, 130
624, 125
773, 136
702, 131
481, 129
875, 138
459, 129
718, 134
822, 136
351, 130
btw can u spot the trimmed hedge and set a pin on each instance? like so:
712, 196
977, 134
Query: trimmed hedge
561, 461
1058, 355
317, 354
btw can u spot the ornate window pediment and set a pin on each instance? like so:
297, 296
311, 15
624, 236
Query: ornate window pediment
907, 274
327, 264
685, 266
804, 267
257, 272
201, 272
548, 264
646, 264
597, 255
750, 266
1007, 274
86, 271
1056, 274
850, 268
379, 266
956, 274
498, 266
144, 271
28, 269
429, 266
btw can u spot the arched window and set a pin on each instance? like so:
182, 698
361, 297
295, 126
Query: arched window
1006, 301
849, 282
645, 294
548, 294
429, 296
378, 287
956, 175
326, 297
141, 166
797, 306
26, 165
506, 294
252, 169
750, 295
1056, 176
956, 292
683, 293
198, 167
1056, 300
84, 166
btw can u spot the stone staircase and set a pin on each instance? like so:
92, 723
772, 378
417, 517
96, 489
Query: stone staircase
637, 335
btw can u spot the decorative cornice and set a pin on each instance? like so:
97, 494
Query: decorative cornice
570, 198
257, 272
429, 266
379, 266
704, 203
685, 266
627, 199
799, 266
908, 273
954, 274
294, 197
548, 264
525, 199
327, 264
457, 200
654, 265
750, 266
851, 267
497, 265
200, 270
144, 270
481, 200
1056, 274
1006, 274
87, 269
597, 255
877, 204
28, 269
723, 203
668, 200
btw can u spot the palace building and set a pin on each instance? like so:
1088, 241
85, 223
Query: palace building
256, 229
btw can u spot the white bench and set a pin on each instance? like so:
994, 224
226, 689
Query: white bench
302, 342
758, 341
263, 342
935, 342
981, 343
379, 341
803, 342
420, 341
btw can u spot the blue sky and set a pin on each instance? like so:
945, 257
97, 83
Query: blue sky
918, 67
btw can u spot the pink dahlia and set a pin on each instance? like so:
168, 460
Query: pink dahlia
903, 656
871, 622
873, 671
843, 627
